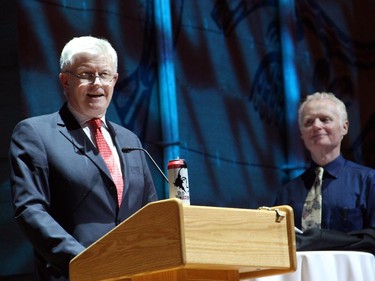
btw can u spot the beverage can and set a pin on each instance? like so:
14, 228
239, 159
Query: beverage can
178, 180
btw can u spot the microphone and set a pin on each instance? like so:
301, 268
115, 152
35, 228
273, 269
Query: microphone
129, 149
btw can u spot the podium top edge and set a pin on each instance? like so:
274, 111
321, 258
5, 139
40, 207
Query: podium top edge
286, 208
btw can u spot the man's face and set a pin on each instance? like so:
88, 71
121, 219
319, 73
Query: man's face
322, 128
90, 99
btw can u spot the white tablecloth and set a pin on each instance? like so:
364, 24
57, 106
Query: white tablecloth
329, 266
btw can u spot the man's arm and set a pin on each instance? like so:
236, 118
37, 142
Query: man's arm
324, 239
31, 198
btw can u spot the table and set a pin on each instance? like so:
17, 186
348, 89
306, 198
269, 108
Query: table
329, 266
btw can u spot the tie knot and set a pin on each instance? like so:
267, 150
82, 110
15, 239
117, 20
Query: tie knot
96, 122
319, 172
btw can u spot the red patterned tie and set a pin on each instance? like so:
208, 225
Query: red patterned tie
108, 157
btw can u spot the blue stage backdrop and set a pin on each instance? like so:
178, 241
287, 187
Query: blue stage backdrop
215, 82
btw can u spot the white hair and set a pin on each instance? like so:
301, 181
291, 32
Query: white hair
324, 95
86, 44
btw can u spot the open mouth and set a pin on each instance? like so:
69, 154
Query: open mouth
95, 96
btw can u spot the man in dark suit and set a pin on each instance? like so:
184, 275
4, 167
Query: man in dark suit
64, 193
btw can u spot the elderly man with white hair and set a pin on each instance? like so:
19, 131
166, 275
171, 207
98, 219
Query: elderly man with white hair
334, 199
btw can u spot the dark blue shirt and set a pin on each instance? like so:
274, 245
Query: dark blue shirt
348, 195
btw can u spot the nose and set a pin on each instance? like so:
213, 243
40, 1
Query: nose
317, 123
96, 78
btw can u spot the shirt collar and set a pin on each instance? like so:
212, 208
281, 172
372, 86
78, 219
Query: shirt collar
333, 168
82, 119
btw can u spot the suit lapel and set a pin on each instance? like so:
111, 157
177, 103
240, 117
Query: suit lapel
73, 132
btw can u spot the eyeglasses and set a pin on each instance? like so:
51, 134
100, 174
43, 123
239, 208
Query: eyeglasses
89, 78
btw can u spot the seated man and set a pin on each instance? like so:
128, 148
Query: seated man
334, 208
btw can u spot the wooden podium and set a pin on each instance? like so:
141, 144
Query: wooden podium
169, 241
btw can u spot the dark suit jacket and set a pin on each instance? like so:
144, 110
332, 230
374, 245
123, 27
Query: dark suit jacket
63, 194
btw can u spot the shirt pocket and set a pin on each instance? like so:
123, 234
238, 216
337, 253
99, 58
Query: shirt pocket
349, 219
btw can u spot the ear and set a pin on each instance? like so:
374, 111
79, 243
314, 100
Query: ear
64, 80
115, 78
345, 127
